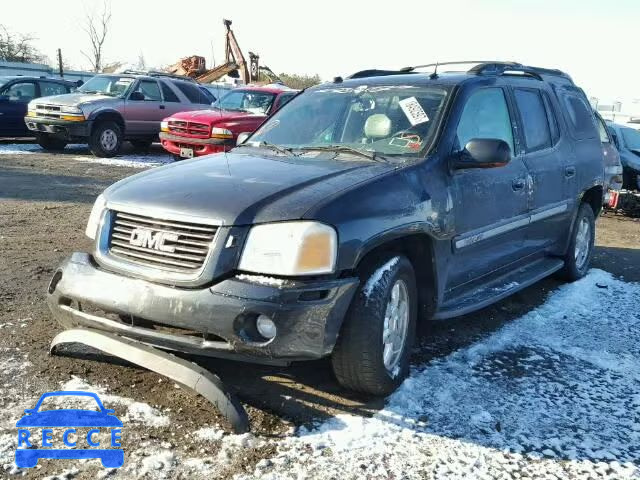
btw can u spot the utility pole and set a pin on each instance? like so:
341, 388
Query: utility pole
60, 71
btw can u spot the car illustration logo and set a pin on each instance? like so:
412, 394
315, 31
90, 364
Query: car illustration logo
36, 435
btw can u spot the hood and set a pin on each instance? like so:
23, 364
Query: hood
241, 188
211, 116
74, 99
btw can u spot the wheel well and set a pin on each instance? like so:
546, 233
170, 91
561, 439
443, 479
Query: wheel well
593, 197
418, 248
110, 117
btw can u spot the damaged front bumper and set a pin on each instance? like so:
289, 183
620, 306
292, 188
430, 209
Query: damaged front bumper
218, 320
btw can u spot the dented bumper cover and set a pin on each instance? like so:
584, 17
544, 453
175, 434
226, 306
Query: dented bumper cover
218, 320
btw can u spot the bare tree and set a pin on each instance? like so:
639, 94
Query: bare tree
97, 28
17, 47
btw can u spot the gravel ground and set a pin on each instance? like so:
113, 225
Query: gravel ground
526, 388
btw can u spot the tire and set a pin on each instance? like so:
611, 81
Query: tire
106, 139
358, 357
141, 145
576, 260
49, 142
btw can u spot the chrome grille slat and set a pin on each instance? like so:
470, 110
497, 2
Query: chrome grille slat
190, 249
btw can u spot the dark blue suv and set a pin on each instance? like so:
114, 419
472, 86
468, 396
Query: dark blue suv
363, 206
16, 93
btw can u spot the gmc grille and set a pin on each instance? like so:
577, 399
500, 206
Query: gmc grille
167, 244
190, 128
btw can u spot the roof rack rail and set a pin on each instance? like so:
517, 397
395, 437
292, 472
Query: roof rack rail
500, 68
462, 62
155, 73
373, 72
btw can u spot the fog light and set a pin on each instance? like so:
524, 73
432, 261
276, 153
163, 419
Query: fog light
266, 327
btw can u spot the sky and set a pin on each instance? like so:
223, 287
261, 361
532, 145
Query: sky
592, 40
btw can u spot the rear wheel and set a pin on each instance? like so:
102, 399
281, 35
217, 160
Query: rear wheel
373, 349
578, 256
49, 142
106, 139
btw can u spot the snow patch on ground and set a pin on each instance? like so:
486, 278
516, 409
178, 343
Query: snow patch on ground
377, 276
137, 412
554, 394
210, 434
82, 154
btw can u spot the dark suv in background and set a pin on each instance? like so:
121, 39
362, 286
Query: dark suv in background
111, 108
15, 94
360, 208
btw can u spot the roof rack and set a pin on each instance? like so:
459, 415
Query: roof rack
155, 73
481, 67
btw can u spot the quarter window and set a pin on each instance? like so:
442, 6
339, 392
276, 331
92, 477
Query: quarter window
553, 121
602, 130
580, 117
485, 115
534, 119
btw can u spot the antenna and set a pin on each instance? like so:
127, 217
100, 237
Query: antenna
435, 72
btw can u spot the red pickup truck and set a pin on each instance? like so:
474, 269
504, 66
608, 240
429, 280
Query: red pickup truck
201, 132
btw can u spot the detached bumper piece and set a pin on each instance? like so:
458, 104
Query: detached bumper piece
179, 370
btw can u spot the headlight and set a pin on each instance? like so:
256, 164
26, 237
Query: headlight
217, 132
164, 126
290, 248
64, 109
94, 217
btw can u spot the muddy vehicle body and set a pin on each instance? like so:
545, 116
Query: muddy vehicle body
111, 108
361, 208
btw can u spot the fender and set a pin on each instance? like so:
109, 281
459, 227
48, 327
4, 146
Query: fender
107, 112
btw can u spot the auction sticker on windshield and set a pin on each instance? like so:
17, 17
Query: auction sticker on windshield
413, 110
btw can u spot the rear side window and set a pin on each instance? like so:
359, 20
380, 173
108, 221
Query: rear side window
192, 92
534, 119
485, 115
580, 117
52, 88
168, 94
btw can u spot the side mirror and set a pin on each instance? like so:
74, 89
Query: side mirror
482, 153
242, 137
136, 96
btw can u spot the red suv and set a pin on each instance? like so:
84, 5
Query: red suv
197, 133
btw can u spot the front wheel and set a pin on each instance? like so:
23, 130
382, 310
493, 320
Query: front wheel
580, 251
106, 139
373, 349
49, 142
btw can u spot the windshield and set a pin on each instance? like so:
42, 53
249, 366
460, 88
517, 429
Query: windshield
246, 101
389, 120
631, 138
112, 85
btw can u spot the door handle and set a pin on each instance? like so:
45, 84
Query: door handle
518, 184
161, 107
570, 171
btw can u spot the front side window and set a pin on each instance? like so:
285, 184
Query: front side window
486, 116
52, 88
112, 85
534, 119
150, 90
631, 138
386, 119
20, 92
247, 101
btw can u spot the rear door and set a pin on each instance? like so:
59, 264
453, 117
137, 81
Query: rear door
145, 109
548, 158
13, 106
491, 209
171, 101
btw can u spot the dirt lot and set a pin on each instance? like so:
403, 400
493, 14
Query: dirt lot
45, 200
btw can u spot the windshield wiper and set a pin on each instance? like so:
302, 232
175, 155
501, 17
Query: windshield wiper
371, 155
270, 146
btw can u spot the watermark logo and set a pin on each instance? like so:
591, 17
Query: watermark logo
79, 428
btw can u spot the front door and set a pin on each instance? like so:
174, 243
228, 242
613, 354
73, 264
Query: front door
145, 109
13, 107
491, 209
